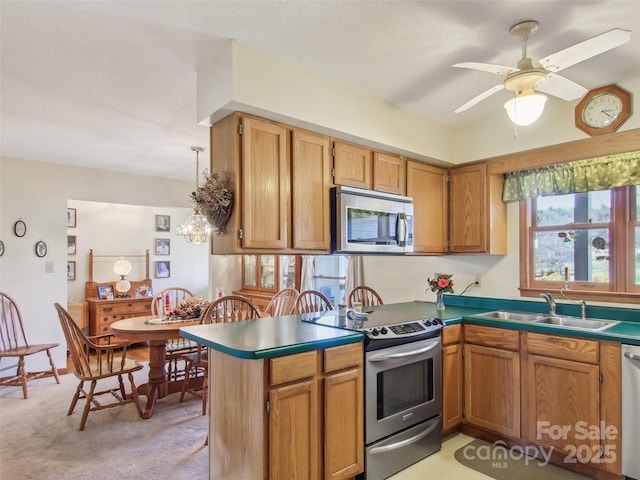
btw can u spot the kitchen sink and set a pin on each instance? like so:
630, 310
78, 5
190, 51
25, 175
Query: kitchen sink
507, 315
582, 323
592, 324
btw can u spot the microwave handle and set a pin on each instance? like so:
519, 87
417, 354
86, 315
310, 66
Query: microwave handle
402, 229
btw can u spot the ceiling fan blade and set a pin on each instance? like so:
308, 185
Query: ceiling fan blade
561, 87
584, 50
479, 98
487, 67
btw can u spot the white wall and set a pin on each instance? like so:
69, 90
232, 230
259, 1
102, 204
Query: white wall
38, 193
131, 231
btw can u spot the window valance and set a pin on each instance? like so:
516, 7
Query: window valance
601, 173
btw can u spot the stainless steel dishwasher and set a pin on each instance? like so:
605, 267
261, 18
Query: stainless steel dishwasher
630, 410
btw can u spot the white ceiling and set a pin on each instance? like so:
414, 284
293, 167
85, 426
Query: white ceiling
113, 84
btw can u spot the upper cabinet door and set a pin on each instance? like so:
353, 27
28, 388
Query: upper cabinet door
427, 185
266, 184
311, 180
352, 165
389, 173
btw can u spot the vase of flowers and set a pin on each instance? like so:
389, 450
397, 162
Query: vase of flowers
441, 283
191, 307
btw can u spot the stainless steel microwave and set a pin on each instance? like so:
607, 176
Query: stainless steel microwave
364, 221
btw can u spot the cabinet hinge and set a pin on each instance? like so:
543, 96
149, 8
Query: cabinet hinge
333, 172
268, 406
448, 243
448, 178
601, 377
462, 352
333, 151
240, 233
239, 129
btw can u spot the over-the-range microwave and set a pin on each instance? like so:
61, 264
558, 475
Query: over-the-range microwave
365, 221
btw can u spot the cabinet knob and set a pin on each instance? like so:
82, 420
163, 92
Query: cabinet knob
107, 309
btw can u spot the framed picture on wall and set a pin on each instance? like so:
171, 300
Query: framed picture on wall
71, 270
72, 218
163, 269
163, 246
163, 223
71, 244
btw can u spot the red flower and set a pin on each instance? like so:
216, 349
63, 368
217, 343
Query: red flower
443, 283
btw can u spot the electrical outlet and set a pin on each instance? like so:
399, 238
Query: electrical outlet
477, 282
49, 267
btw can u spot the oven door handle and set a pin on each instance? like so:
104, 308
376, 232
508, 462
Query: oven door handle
402, 229
632, 356
405, 442
410, 353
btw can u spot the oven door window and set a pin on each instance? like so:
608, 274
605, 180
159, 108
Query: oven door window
374, 227
404, 387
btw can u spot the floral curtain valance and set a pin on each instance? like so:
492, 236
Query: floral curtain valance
600, 173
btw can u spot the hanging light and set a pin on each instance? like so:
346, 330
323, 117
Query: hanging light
196, 229
526, 107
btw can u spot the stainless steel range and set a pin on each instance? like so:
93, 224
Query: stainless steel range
403, 387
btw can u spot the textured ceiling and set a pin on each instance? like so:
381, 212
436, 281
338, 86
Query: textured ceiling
113, 84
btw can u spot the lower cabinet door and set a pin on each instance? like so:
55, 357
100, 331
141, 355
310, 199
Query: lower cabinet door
294, 434
451, 386
343, 425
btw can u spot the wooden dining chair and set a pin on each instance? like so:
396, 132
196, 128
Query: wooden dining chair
169, 299
283, 303
14, 344
365, 295
95, 361
312, 301
231, 308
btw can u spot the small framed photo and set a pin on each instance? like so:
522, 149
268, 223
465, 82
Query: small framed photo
71, 244
71, 270
72, 218
105, 292
163, 223
41, 249
163, 269
163, 246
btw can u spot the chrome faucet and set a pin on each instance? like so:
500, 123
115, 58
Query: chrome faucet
552, 303
583, 309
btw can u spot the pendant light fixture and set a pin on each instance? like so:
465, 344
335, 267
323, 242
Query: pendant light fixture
196, 229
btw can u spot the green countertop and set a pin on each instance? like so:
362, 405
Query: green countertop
277, 336
268, 337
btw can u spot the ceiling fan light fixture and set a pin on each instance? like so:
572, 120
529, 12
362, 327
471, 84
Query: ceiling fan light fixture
525, 108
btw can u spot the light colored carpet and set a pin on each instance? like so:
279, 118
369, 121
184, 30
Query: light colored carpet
39, 441
497, 462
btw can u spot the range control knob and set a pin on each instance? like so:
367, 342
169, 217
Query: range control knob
427, 322
375, 332
384, 330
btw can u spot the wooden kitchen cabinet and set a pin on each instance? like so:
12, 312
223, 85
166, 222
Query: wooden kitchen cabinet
427, 185
389, 173
352, 165
452, 387
311, 181
477, 214
492, 379
564, 388
280, 178
311, 426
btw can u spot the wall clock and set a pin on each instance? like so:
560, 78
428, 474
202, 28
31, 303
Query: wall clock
603, 110
20, 228
1, 248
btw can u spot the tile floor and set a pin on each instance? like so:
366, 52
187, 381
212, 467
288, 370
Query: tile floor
442, 465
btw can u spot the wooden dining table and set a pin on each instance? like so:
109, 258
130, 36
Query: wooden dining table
156, 335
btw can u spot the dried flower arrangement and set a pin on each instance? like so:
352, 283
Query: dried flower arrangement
191, 307
214, 199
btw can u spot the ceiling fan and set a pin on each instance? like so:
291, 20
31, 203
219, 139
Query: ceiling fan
526, 80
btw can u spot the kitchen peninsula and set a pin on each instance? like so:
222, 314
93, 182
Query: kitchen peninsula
281, 385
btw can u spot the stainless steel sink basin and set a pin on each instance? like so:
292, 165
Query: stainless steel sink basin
582, 323
593, 324
507, 315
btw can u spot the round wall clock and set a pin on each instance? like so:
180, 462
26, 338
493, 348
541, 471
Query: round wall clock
1, 248
20, 228
603, 110
41, 249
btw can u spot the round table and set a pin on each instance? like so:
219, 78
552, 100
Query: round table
136, 329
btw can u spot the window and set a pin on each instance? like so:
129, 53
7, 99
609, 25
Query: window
589, 242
